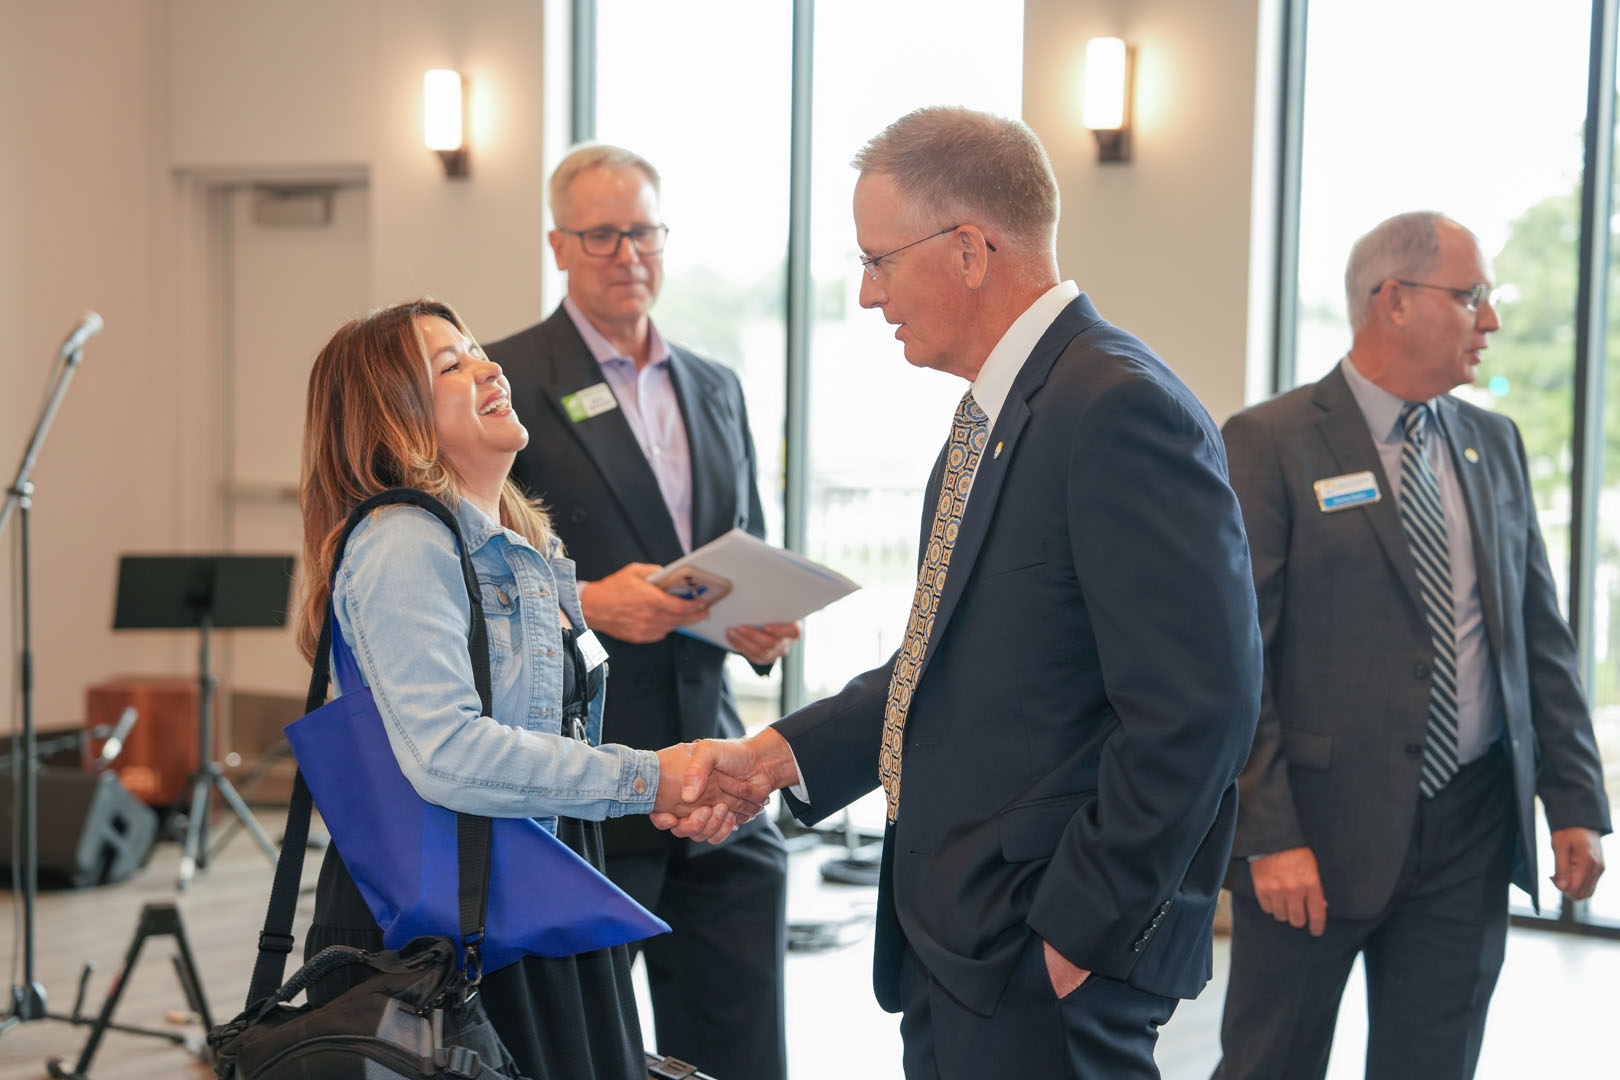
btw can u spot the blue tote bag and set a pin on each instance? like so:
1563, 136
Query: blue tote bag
402, 851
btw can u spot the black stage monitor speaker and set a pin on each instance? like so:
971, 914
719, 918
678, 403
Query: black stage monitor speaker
92, 831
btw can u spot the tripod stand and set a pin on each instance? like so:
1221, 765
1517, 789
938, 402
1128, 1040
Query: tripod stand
208, 592
28, 997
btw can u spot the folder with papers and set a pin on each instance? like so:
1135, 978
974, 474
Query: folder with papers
760, 584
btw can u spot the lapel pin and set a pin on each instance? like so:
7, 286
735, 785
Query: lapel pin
1472, 455
997, 453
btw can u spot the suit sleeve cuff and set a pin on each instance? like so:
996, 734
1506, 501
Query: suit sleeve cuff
799, 791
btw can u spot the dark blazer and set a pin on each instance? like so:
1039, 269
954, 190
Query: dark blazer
607, 507
1087, 698
1339, 747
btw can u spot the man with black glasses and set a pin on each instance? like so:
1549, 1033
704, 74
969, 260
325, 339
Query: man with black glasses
1420, 686
1059, 737
642, 452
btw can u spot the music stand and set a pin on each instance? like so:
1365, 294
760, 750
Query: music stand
208, 592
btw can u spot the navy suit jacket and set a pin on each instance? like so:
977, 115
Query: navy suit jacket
1088, 696
1340, 743
606, 505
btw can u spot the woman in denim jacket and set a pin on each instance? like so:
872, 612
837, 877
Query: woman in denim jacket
404, 397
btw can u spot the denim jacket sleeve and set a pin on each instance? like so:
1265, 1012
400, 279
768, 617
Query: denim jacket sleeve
402, 606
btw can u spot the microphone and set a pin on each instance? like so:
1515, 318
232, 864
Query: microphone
88, 327
115, 742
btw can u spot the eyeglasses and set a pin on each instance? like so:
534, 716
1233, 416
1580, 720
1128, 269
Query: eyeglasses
871, 265
604, 240
1471, 298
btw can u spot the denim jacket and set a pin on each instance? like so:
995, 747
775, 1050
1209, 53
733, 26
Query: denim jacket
401, 604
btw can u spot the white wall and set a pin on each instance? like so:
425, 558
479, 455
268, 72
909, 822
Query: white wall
1162, 243
84, 211
118, 115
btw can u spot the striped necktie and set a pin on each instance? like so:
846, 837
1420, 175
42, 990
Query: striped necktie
969, 431
1425, 528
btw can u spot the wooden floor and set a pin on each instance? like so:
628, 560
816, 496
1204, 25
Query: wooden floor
221, 914
1549, 1016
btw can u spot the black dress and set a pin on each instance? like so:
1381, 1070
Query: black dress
562, 1018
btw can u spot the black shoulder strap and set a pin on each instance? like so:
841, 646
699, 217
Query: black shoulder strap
472, 832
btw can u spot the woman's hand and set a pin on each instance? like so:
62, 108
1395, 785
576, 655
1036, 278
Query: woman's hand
752, 768
709, 812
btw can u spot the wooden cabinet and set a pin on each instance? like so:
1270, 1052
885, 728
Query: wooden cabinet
160, 754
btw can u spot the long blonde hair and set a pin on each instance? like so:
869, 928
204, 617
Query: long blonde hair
368, 426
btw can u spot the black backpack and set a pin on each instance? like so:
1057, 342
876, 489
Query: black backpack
412, 1016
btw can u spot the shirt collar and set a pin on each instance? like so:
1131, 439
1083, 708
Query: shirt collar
602, 349
1006, 360
1380, 408
477, 529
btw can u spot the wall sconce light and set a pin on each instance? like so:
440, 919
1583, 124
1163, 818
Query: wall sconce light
444, 116
1106, 110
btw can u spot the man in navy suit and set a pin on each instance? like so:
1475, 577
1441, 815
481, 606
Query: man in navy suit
1420, 689
642, 452
1060, 736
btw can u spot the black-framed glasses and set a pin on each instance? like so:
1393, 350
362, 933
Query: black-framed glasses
871, 265
1471, 298
604, 240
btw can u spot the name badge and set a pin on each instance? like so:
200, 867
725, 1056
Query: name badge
590, 650
589, 402
1342, 492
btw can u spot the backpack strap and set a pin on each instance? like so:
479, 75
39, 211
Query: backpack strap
472, 831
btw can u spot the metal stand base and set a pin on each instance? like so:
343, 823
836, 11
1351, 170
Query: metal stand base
207, 779
27, 1003
157, 919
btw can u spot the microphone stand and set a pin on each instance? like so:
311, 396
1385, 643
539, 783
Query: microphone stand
28, 997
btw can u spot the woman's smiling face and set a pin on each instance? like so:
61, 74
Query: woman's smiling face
477, 429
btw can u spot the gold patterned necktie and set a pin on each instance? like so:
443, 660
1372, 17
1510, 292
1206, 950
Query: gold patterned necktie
969, 432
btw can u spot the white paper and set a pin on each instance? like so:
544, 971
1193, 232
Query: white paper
768, 584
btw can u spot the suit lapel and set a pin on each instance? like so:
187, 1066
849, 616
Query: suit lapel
992, 469
1343, 428
714, 492
1462, 435
608, 441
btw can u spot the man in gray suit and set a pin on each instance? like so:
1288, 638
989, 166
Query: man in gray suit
1420, 685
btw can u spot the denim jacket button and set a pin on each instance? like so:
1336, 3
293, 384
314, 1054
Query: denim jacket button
640, 786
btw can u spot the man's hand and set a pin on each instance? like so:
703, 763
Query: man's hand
1066, 977
1289, 888
761, 763
1577, 861
624, 605
714, 808
763, 645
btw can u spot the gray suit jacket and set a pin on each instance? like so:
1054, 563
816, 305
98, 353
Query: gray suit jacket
1345, 701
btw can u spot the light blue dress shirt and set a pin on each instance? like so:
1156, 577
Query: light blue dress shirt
1480, 717
401, 604
647, 399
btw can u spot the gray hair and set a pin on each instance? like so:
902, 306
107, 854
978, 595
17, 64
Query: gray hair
593, 156
959, 161
1403, 246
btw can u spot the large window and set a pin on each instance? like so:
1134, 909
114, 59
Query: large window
1409, 106
1605, 618
876, 422
1375, 146
709, 110
719, 128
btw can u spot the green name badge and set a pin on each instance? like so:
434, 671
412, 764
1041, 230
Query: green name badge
589, 402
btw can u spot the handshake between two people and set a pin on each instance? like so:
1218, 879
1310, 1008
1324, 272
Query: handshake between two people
709, 787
